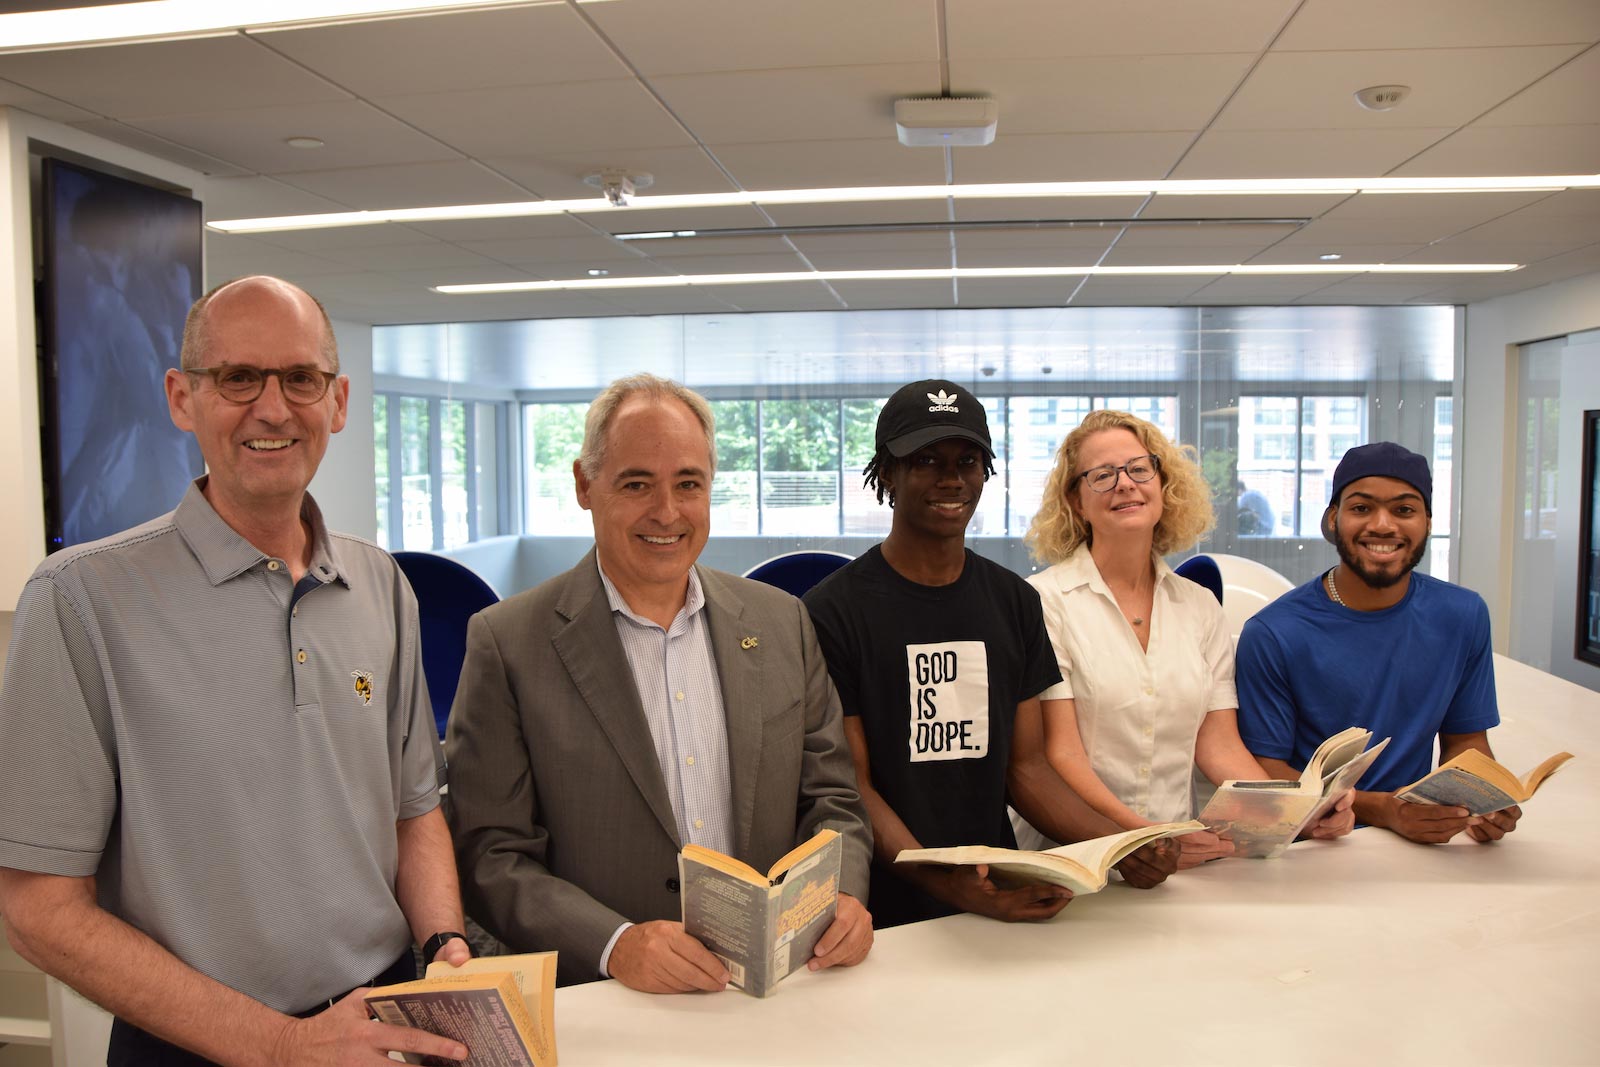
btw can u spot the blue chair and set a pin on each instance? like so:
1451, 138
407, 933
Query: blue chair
448, 594
796, 572
1202, 570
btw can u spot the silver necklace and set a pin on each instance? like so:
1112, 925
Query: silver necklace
1333, 590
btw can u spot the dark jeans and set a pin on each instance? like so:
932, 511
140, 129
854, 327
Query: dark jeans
133, 1047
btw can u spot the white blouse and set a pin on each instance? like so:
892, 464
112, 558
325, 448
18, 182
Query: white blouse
1138, 710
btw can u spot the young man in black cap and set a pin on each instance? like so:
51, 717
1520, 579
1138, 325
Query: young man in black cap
1371, 644
939, 656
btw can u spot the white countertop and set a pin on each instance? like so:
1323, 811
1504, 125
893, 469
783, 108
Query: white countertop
1367, 950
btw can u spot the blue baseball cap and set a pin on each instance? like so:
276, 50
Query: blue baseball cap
1384, 459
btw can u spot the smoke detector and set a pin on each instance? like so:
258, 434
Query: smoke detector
1382, 97
945, 121
618, 184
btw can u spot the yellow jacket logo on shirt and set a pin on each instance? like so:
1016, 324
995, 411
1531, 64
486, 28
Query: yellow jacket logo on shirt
363, 685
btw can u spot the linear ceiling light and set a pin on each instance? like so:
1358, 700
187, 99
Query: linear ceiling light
947, 273
882, 193
176, 20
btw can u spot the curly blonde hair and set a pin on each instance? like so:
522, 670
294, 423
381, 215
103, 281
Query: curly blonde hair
1186, 512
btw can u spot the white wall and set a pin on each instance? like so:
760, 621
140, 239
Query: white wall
1580, 392
21, 478
1488, 424
346, 484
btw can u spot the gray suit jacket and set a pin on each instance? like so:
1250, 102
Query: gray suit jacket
557, 803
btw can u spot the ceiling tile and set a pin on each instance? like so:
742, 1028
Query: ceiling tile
896, 294
1026, 292
560, 175
1273, 206
1287, 252
533, 45
1302, 153
880, 160
742, 263
355, 134
1511, 150
1327, 25
1070, 157
529, 227
14, 95
1049, 207
160, 147
1104, 93
805, 104
673, 38
880, 259
565, 251
448, 261
169, 77
1208, 238
1565, 97
258, 197
1018, 29
574, 117
453, 181
1449, 87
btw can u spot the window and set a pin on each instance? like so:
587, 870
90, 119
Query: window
1269, 397
416, 496
1286, 470
800, 472
380, 448
552, 435
444, 456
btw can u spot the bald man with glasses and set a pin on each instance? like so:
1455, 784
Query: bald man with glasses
219, 778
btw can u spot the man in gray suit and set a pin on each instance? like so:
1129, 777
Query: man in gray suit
638, 703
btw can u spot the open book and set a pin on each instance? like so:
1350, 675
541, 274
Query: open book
501, 1007
1478, 783
1083, 866
761, 926
1263, 818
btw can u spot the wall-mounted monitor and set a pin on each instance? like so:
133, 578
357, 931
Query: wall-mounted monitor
122, 264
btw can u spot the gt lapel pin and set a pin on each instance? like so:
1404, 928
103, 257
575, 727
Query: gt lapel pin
747, 643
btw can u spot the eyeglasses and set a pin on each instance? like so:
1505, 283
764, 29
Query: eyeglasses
1138, 469
242, 384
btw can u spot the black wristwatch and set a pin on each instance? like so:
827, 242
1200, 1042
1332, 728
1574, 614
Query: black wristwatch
437, 942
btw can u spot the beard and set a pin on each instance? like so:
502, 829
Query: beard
1378, 579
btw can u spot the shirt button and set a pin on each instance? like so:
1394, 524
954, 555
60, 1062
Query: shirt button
679, 694
1144, 772
300, 657
272, 564
672, 885
1149, 731
690, 761
1149, 692
699, 824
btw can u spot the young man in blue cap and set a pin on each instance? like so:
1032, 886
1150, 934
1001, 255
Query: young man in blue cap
1371, 644
939, 656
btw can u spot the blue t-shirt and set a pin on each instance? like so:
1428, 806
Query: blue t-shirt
1308, 668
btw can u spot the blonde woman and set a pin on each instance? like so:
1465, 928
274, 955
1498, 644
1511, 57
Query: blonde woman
1146, 659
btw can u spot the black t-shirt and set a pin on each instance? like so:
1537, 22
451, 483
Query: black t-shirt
935, 674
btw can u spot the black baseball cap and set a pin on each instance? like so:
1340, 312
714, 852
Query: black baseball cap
931, 410
1384, 459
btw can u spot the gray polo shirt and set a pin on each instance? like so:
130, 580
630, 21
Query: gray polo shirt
227, 756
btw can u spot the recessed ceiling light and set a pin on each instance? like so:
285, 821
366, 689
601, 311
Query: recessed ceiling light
598, 272
1329, 257
887, 193
304, 142
682, 281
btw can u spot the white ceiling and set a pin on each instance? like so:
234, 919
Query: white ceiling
523, 101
